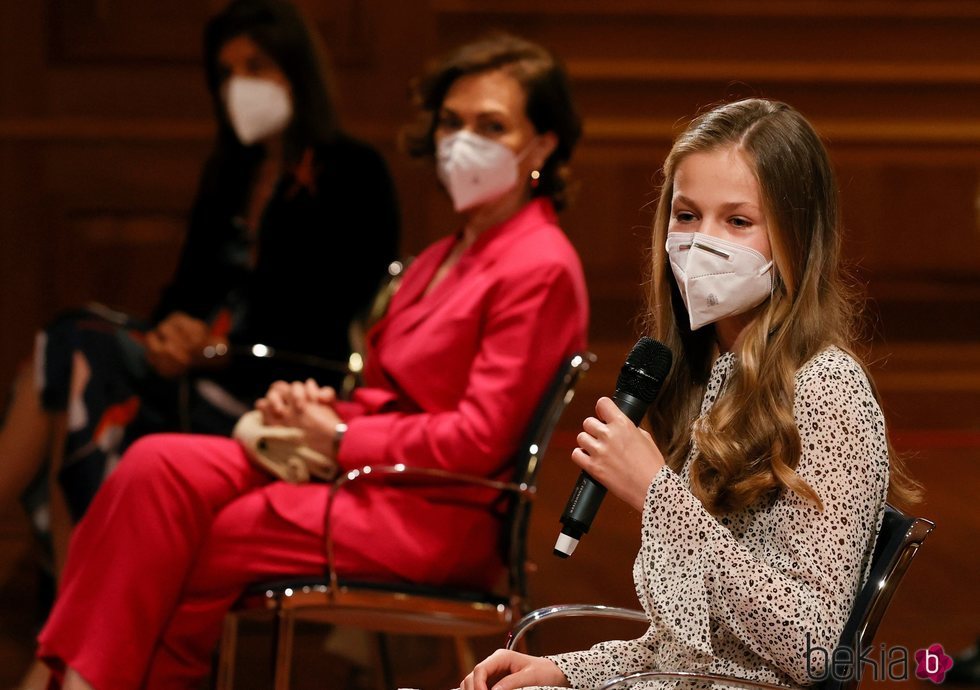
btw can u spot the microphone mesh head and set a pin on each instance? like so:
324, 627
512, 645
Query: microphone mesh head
646, 367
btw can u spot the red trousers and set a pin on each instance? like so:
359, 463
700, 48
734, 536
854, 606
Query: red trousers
171, 540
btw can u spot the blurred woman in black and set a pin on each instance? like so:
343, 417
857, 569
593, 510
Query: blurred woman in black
289, 209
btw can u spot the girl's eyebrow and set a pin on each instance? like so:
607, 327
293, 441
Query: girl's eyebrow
727, 206
733, 205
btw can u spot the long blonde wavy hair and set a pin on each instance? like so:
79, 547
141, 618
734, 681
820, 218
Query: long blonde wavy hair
749, 444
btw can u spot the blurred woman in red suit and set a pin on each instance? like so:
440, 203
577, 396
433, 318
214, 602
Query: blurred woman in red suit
482, 321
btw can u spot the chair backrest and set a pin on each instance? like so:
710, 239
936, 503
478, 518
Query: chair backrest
898, 541
528, 462
375, 311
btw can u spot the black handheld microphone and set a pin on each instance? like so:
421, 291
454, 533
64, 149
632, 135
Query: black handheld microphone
638, 385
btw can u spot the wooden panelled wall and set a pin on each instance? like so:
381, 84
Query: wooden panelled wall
104, 123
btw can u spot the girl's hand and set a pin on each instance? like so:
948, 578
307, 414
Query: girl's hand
618, 454
506, 670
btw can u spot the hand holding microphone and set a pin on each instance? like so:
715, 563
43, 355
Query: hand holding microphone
637, 387
617, 454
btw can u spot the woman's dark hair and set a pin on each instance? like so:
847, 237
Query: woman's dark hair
279, 29
549, 100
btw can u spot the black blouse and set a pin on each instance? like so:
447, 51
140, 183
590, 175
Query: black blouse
322, 249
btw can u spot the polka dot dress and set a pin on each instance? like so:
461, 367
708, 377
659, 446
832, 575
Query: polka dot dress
750, 593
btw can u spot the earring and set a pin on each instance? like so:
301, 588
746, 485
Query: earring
535, 178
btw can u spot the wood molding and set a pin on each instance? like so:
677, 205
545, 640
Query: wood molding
121, 32
783, 71
127, 229
597, 129
61, 129
868, 130
104, 129
884, 9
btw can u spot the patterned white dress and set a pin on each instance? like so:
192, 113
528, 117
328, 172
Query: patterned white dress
750, 593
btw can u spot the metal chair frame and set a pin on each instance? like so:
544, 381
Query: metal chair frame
407, 609
356, 334
898, 542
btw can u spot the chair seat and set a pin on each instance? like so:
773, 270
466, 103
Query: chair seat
387, 607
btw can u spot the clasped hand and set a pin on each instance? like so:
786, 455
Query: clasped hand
304, 405
618, 454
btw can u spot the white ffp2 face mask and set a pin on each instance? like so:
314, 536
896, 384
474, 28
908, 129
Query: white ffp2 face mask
475, 169
257, 108
717, 278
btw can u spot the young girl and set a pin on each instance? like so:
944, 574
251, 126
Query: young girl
764, 483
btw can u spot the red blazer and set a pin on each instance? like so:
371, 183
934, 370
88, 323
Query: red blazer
452, 379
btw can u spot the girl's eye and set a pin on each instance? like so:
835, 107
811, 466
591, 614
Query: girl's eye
740, 222
684, 217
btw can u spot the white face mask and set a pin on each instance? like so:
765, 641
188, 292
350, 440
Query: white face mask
257, 108
717, 278
475, 169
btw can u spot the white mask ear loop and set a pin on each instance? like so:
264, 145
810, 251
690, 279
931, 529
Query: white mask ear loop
772, 281
519, 158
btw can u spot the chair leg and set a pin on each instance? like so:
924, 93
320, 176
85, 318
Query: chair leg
464, 654
284, 649
226, 654
386, 675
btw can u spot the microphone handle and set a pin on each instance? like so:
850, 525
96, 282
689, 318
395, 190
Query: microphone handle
582, 506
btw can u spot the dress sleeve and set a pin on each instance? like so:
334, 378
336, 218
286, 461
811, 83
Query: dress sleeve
508, 376
791, 596
590, 668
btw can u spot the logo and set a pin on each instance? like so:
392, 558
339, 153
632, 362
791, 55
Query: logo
891, 663
932, 663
